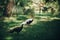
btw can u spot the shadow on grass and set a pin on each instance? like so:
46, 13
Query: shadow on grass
21, 18
3, 28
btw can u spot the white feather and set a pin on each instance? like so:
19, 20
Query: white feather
27, 21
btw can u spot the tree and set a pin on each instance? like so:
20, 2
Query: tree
8, 8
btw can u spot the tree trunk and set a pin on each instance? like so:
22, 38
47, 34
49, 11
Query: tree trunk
8, 8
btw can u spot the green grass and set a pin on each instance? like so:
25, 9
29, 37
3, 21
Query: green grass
39, 31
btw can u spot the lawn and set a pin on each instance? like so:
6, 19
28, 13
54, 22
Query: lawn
38, 30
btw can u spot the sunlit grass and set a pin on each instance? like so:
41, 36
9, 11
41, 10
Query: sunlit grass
6, 19
8, 38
